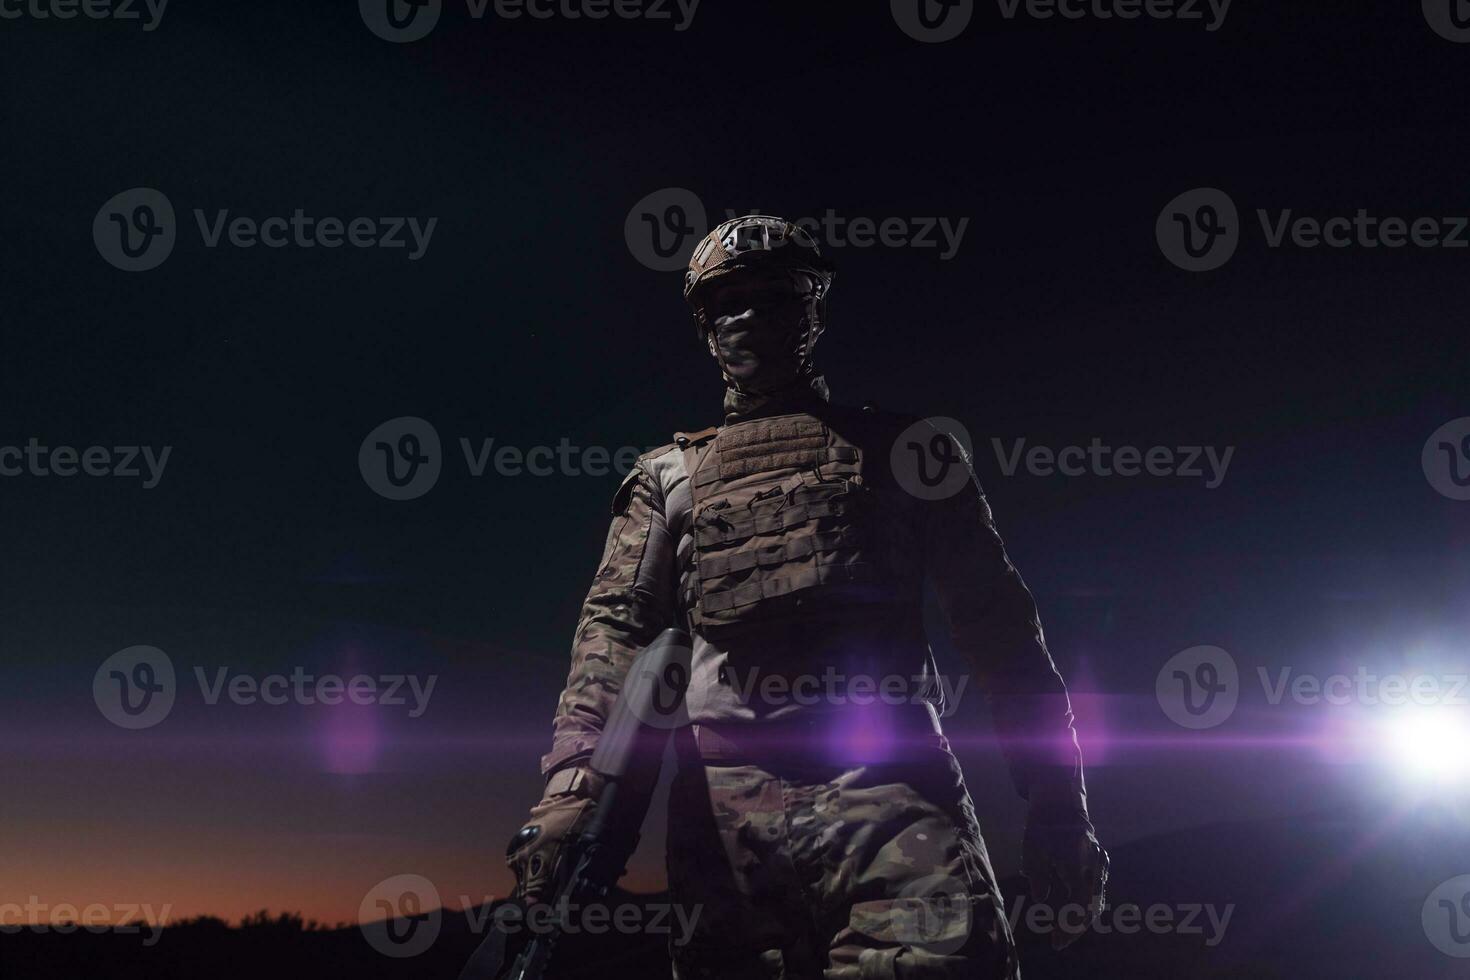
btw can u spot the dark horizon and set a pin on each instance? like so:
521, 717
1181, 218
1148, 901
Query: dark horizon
1041, 156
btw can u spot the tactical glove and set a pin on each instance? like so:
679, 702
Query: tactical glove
539, 849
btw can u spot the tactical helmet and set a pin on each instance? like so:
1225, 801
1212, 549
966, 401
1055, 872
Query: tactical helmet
756, 241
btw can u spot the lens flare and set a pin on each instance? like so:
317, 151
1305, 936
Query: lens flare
1431, 742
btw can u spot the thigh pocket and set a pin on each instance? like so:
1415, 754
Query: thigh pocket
935, 923
938, 933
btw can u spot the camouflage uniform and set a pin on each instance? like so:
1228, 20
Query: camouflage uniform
856, 873
819, 839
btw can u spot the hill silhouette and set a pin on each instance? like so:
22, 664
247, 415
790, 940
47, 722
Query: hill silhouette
1297, 898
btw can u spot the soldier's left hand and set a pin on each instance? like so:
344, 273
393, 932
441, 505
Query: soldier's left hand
1063, 862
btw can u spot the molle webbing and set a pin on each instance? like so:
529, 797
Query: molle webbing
784, 582
780, 507
769, 444
775, 555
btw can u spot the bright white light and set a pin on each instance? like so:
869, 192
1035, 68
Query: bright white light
1431, 742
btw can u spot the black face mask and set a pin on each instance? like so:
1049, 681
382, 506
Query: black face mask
761, 332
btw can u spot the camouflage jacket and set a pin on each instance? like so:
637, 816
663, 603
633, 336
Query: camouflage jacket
991, 616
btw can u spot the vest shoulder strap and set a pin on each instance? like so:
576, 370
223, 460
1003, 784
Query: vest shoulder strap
685, 439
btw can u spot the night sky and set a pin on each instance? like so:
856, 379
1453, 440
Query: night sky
529, 320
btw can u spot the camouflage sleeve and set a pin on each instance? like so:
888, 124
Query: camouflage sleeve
629, 604
994, 624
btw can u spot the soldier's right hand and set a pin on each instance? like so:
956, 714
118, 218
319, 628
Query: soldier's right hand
538, 850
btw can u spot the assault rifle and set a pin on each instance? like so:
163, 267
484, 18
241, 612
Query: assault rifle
629, 753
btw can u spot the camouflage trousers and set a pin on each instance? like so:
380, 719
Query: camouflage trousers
874, 872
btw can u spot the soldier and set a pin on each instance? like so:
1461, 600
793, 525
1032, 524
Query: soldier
821, 830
